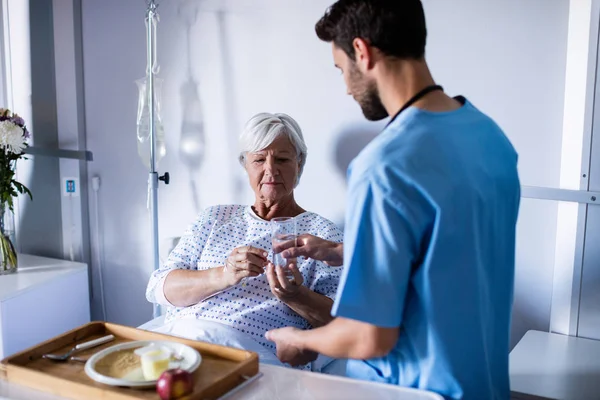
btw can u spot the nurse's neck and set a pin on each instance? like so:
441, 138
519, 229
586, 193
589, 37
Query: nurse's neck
399, 80
284, 207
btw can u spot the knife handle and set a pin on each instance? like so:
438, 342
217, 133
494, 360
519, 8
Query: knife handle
94, 343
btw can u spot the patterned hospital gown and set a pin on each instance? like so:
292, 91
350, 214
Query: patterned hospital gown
251, 309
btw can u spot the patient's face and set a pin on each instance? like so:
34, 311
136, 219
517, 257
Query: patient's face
273, 171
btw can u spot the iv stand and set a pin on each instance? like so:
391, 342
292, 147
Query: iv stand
153, 178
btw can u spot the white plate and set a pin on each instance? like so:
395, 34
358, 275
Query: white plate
190, 361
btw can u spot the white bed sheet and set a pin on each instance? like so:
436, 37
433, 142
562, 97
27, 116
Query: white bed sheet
217, 333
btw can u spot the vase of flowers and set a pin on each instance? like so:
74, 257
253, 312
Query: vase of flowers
13, 141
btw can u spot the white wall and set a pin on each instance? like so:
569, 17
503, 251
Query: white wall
508, 57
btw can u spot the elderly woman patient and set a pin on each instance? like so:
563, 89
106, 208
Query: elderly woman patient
220, 272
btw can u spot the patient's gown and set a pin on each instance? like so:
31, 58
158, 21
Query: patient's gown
250, 308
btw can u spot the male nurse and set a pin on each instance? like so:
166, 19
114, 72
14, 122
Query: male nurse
429, 243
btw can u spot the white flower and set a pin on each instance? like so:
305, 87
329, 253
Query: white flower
11, 137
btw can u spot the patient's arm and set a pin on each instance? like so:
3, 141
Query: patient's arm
183, 288
310, 305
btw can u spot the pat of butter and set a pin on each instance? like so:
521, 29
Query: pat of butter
152, 367
154, 362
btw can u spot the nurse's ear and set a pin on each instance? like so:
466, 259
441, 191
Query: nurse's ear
364, 55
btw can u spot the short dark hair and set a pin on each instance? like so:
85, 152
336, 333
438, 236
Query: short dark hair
396, 27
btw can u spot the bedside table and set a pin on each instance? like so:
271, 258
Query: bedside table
43, 298
549, 366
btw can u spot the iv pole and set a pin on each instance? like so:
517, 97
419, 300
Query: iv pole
153, 178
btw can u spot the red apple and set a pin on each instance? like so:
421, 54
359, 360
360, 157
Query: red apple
174, 383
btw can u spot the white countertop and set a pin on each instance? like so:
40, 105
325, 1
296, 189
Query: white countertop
551, 366
32, 271
278, 383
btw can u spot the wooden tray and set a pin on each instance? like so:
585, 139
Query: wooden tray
222, 368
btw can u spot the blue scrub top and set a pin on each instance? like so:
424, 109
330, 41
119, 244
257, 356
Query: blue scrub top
429, 246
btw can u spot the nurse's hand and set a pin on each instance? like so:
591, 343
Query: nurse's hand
287, 350
281, 286
309, 246
244, 262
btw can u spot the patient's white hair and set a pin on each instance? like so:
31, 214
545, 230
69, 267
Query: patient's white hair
262, 130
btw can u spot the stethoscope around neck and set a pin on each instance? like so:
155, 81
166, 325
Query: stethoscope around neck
422, 93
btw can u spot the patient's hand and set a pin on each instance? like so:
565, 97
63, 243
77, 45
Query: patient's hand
281, 286
314, 247
287, 350
243, 262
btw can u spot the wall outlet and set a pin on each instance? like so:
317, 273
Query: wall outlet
70, 187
